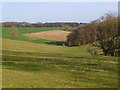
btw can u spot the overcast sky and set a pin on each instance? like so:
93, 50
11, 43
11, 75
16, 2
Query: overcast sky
56, 11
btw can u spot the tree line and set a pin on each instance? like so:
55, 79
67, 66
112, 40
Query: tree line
39, 24
102, 33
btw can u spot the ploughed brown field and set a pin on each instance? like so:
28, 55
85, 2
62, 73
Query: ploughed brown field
57, 35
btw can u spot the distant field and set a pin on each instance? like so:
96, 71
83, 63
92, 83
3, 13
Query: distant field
32, 65
25, 30
56, 35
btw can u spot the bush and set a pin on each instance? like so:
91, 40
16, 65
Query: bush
92, 50
67, 28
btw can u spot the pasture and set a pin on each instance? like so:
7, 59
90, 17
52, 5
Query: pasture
39, 65
28, 30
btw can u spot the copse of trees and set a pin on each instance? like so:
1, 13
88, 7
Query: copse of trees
104, 31
82, 35
108, 34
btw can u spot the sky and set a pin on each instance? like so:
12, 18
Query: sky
59, 0
56, 11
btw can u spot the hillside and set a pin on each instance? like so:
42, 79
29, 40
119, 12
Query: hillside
41, 65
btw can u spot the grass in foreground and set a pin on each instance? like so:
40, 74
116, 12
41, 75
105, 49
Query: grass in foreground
59, 71
34, 65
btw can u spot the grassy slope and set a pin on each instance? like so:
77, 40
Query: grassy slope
43, 48
28, 64
24, 30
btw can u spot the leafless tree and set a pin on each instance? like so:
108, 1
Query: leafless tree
14, 32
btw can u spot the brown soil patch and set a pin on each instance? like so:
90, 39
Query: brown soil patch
57, 35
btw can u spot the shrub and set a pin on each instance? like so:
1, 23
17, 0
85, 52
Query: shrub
92, 50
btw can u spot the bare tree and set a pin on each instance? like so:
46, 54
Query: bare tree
14, 32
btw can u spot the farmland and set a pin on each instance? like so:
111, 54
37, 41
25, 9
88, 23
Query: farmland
59, 45
32, 63
6, 34
56, 35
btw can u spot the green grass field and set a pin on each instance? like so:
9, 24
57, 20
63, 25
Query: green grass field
24, 30
27, 64
33, 65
